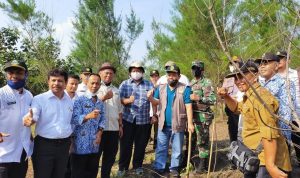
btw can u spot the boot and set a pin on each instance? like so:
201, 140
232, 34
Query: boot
199, 165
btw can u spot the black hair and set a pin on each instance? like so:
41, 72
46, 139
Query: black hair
93, 74
58, 72
74, 76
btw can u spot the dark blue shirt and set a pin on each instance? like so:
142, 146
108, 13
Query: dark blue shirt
139, 110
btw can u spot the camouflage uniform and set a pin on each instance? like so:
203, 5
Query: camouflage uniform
202, 113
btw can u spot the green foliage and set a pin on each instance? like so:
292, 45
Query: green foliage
38, 47
248, 28
98, 36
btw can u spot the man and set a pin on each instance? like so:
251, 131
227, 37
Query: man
294, 77
89, 121
268, 67
72, 85
15, 143
175, 113
52, 113
274, 157
84, 76
233, 119
113, 130
154, 76
71, 88
136, 118
203, 96
164, 79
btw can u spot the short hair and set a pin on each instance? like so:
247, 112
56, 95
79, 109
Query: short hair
74, 76
57, 72
93, 74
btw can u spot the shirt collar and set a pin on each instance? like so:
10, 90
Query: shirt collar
51, 95
131, 80
249, 92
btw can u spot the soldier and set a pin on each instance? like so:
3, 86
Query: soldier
202, 97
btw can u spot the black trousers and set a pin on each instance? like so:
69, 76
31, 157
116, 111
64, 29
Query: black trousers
14, 170
139, 135
84, 166
233, 124
50, 157
296, 140
108, 149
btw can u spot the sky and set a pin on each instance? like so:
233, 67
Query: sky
63, 12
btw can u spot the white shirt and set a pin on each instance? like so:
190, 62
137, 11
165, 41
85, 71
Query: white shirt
113, 107
164, 80
74, 98
82, 88
293, 77
13, 106
52, 115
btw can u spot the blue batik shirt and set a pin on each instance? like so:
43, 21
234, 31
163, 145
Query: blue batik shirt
85, 133
277, 86
139, 110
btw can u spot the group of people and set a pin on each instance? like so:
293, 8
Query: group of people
267, 101
78, 123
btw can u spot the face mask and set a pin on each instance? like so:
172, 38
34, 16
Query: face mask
231, 68
172, 83
136, 75
17, 85
197, 72
90, 94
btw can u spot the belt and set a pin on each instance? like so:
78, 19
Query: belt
54, 140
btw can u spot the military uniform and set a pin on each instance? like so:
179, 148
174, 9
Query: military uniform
202, 113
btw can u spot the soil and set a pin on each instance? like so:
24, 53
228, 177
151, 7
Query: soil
220, 167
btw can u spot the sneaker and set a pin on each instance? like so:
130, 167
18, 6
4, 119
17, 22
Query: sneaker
139, 171
174, 173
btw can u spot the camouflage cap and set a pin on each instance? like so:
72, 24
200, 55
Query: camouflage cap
198, 64
173, 68
15, 64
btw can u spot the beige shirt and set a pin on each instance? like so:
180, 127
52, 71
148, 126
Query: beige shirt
113, 107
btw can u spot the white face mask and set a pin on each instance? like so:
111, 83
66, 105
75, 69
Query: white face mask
231, 68
90, 94
136, 75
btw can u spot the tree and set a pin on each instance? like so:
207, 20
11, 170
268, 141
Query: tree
98, 36
39, 49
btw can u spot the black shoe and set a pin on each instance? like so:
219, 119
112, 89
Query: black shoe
199, 165
174, 173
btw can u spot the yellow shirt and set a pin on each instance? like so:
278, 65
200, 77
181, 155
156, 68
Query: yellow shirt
255, 121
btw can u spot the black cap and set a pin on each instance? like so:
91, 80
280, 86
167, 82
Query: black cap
15, 64
154, 72
281, 54
268, 57
173, 68
86, 70
248, 66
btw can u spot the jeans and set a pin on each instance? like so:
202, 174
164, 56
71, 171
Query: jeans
161, 153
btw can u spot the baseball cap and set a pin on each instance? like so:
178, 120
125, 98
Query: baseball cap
281, 54
248, 66
154, 72
15, 64
173, 68
86, 70
267, 57
198, 64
